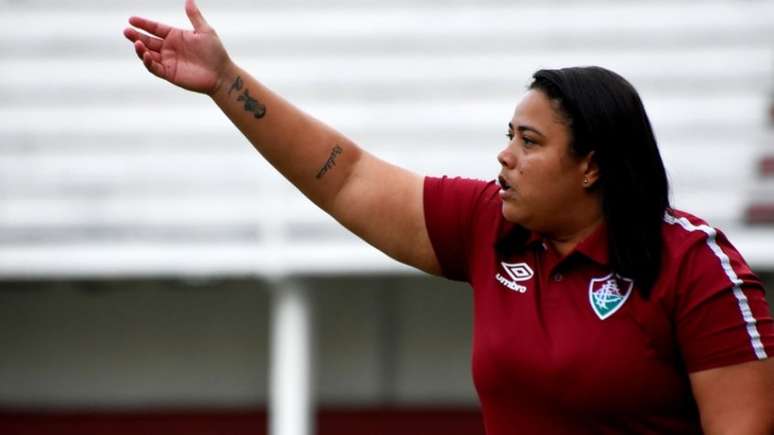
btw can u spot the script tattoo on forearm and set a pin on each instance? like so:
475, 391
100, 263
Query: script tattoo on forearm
251, 104
331, 162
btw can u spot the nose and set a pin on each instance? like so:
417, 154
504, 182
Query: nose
506, 159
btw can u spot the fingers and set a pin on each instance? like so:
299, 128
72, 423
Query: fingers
146, 46
151, 59
152, 43
195, 15
141, 49
153, 66
152, 27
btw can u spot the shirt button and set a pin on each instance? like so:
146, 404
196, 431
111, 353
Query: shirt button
557, 277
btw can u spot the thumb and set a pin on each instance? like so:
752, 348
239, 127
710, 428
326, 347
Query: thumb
195, 15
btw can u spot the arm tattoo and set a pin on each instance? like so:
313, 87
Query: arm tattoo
251, 104
236, 85
331, 162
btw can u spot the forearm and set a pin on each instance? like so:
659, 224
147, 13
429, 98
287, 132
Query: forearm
379, 202
311, 155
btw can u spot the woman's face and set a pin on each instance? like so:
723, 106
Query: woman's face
541, 182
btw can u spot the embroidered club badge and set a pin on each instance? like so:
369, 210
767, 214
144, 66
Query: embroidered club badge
606, 295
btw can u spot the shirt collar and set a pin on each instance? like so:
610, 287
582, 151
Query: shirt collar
595, 245
533, 239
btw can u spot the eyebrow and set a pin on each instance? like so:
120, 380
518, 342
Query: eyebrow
523, 128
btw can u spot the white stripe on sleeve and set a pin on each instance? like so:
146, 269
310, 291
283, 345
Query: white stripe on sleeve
741, 299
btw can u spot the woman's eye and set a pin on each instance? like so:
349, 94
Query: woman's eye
527, 141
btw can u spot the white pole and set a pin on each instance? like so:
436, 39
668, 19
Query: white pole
291, 353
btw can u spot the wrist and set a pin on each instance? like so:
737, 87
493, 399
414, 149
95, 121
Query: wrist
227, 74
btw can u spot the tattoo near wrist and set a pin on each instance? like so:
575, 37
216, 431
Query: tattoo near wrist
250, 104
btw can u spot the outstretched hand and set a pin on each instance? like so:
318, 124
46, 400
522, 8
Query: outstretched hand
192, 59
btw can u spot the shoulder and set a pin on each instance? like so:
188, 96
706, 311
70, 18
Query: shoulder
681, 227
459, 216
696, 252
469, 203
471, 188
717, 302
461, 195
684, 232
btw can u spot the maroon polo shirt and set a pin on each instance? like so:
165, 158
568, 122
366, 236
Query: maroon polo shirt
561, 345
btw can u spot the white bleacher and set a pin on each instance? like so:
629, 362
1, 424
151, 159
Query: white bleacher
107, 171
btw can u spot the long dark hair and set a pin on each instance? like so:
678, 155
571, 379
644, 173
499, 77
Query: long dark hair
605, 115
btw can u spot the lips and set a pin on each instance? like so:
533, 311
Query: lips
507, 193
503, 184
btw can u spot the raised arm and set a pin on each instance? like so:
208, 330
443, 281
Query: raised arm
379, 202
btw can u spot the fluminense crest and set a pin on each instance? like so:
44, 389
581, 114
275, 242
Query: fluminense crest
607, 296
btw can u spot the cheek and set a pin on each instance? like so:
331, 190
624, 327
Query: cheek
523, 166
531, 170
542, 180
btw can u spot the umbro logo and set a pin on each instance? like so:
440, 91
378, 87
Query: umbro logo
517, 272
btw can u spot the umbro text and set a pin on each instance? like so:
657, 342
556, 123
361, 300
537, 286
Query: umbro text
510, 284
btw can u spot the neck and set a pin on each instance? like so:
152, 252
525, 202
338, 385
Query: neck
583, 223
564, 244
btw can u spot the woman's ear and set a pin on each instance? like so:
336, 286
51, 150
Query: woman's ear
590, 170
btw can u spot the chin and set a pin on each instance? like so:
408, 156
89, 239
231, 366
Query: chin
512, 214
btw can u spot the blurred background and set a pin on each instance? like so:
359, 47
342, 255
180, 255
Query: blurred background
157, 276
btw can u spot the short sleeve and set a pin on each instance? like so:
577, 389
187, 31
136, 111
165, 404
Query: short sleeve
451, 206
722, 317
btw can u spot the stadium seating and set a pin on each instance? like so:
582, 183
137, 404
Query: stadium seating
107, 171
761, 209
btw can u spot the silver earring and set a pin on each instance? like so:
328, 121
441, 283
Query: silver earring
585, 181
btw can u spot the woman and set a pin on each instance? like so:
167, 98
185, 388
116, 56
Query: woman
598, 308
